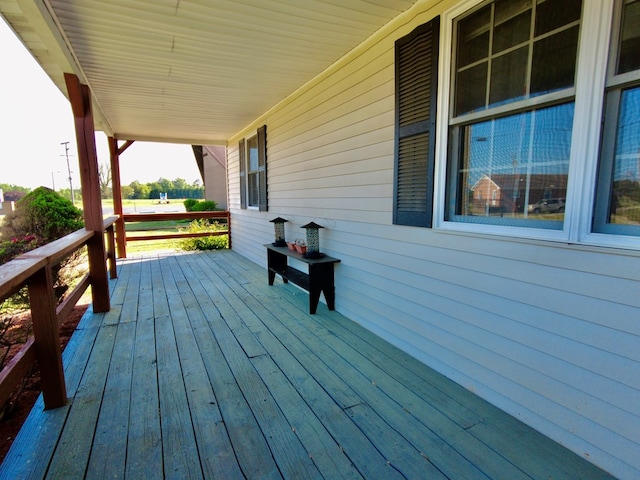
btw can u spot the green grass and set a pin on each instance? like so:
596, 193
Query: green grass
150, 246
170, 225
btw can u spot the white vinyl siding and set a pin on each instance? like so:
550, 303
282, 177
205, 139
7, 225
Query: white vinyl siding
546, 330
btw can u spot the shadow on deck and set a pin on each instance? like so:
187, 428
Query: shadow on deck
201, 370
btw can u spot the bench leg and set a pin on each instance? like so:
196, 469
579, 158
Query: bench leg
330, 297
314, 298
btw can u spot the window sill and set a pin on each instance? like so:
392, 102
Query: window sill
594, 242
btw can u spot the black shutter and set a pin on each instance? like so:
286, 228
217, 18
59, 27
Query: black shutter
243, 174
416, 88
262, 169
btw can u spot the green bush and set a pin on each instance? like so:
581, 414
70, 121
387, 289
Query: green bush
189, 203
192, 205
41, 217
44, 214
211, 242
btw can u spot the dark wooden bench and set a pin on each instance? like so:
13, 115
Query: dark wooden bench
319, 278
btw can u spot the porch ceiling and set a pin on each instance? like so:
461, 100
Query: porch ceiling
191, 71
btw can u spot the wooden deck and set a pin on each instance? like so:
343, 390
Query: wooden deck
201, 370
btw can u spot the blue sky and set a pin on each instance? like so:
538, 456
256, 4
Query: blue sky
35, 118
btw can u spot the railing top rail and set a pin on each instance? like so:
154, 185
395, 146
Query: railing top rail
108, 221
15, 273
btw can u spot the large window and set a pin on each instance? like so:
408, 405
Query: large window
512, 112
617, 208
538, 121
253, 170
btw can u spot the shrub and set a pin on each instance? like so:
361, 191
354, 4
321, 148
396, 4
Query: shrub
192, 205
189, 203
44, 214
40, 217
211, 242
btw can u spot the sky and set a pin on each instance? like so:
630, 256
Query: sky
35, 118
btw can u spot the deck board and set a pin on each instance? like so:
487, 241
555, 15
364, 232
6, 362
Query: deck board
203, 370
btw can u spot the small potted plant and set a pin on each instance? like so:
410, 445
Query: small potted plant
301, 246
292, 246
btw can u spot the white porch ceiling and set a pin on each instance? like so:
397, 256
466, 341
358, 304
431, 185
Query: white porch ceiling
191, 71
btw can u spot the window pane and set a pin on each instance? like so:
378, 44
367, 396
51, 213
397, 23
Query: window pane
624, 205
630, 38
512, 24
520, 64
473, 37
471, 89
554, 62
515, 168
253, 189
509, 76
252, 154
554, 14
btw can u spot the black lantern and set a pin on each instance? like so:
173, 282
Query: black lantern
278, 224
313, 240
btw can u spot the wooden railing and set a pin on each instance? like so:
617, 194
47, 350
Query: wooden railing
34, 269
224, 217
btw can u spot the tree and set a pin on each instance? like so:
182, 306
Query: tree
104, 177
140, 190
126, 191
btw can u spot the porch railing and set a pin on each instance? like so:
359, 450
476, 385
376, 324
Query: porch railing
34, 269
223, 217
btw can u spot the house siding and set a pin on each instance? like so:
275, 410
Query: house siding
548, 332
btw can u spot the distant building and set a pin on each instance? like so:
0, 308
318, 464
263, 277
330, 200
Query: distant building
211, 160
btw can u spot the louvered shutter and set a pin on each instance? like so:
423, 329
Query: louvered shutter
416, 66
262, 169
243, 173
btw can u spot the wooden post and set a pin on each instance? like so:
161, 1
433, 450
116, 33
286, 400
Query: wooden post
121, 237
111, 252
47, 338
80, 98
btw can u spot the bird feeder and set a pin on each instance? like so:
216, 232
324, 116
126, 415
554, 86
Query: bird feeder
278, 224
313, 240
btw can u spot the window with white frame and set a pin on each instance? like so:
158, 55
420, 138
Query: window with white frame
511, 112
539, 126
617, 207
253, 170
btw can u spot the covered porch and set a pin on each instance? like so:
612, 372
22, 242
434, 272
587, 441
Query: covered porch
202, 370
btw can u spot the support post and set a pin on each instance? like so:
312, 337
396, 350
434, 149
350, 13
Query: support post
46, 335
80, 98
121, 236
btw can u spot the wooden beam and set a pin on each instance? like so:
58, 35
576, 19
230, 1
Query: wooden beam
114, 151
80, 97
126, 145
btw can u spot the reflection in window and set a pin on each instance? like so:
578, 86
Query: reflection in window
515, 167
617, 207
624, 203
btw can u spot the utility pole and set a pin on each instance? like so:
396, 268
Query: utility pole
66, 154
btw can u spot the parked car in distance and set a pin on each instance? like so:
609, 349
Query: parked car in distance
547, 205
